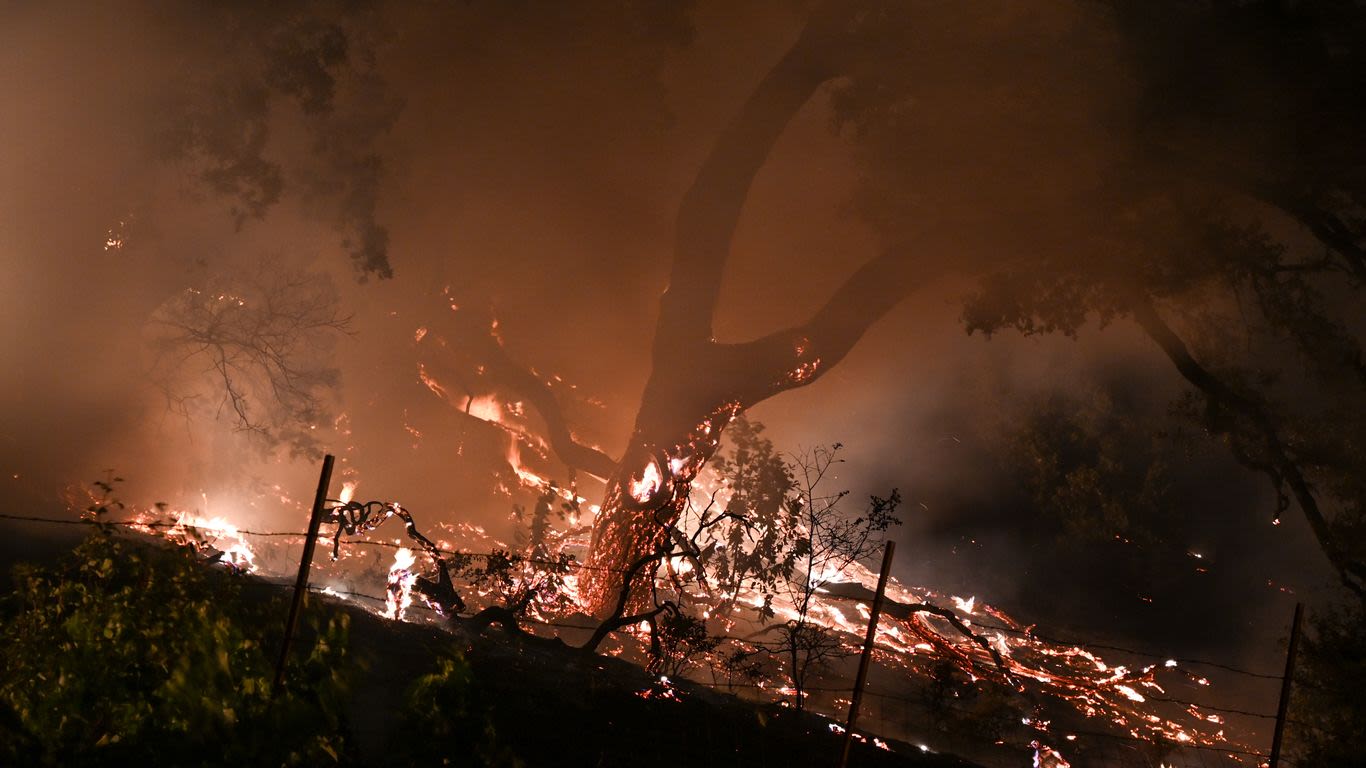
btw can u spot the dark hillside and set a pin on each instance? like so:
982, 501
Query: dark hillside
529, 702
555, 706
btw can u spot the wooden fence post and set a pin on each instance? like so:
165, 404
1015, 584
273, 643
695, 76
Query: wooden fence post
867, 653
1285, 685
301, 584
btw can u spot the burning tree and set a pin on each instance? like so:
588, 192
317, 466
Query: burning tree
697, 385
1225, 224
1238, 253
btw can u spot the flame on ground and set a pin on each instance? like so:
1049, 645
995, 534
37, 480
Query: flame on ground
399, 591
215, 536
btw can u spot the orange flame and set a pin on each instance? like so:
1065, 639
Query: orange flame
648, 485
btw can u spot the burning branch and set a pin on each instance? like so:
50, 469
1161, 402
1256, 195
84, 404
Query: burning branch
483, 346
520, 379
618, 618
352, 517
911, 609
523, 584
670, 543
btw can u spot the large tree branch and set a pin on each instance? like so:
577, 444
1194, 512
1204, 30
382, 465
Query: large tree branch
799, 355
711, 207
537, 392
906, 611
1282, 468
1326, 226
500, 367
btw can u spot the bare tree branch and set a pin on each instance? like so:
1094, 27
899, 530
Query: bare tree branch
263, 348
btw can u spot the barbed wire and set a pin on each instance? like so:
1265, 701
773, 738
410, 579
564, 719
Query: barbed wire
844, 690
346, 594
1212, 708
574, 563
301, 534
1121, 649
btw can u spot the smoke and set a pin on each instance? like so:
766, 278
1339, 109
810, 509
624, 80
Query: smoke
526, 160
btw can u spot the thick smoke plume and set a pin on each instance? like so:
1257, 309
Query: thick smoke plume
523, 162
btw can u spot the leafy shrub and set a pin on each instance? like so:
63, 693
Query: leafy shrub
129, 653
446, 722
1327, 717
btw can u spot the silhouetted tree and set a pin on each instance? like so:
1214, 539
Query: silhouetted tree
1231, 233
263, 343
1327, 719
1092, 467
317, 61
825, 541
754, 552
786, 538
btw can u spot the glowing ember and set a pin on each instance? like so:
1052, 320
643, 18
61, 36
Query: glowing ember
661, 689
1130, 693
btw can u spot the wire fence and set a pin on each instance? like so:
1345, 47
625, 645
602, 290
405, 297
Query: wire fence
887, 713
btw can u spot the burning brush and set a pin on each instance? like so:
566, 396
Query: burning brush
919, 627
364, 517
353, 517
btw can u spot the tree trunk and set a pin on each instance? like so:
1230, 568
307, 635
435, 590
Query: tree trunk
678, 429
